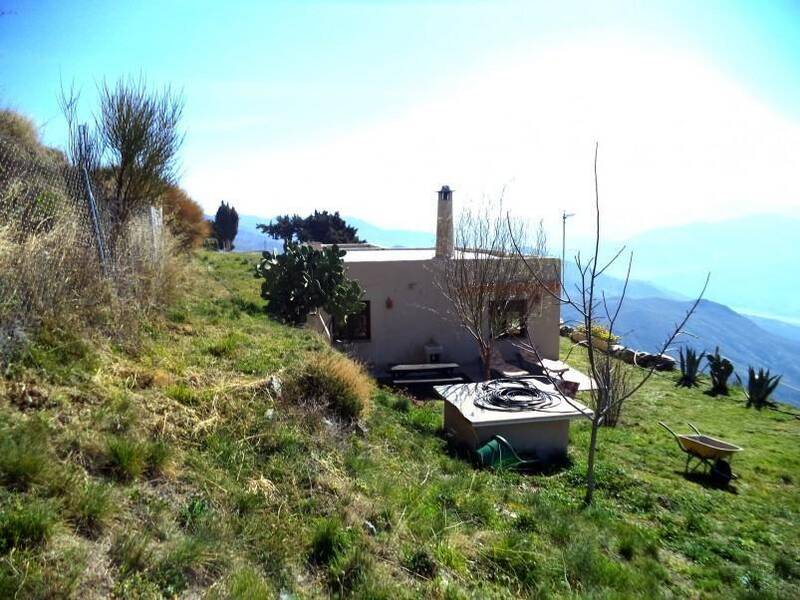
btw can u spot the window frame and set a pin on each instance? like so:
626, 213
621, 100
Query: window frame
367, 313
524, 314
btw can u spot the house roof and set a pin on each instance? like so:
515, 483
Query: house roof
376, 254
388, 254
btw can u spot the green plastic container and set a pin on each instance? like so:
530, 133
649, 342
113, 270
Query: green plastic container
498, 453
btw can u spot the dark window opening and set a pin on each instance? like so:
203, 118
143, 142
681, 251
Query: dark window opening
512, 318
355, 328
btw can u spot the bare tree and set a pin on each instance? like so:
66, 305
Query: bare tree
488, 284
83, 146
612, 382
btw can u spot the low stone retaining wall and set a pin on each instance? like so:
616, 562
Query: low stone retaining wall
661, 362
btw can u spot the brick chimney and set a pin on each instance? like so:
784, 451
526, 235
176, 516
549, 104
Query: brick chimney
444, 224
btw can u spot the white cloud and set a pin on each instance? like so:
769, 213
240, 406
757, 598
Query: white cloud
679, 142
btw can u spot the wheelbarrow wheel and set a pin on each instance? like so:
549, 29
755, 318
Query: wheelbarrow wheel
721, 472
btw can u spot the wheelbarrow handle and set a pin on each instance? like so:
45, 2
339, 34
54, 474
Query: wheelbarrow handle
677, 439
664, 425
696, 430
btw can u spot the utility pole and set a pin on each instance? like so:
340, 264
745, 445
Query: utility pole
564, 216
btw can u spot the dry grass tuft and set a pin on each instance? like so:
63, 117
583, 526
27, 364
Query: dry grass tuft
53, 278
19, 128
334, 381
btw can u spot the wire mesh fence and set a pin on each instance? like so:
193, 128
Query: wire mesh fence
38, 188
61, 256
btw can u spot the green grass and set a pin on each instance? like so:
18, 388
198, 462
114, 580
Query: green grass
177, 469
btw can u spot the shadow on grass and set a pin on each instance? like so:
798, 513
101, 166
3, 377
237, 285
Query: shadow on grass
535, 467
708, 481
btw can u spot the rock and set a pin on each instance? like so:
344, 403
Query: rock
577, 336
660, 362
616, 350
274, 385
370, 528
627, 355
648, 360
664, 362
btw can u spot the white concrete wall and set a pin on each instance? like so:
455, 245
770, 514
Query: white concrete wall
421, 313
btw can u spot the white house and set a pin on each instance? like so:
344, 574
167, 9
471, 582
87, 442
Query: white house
407, 317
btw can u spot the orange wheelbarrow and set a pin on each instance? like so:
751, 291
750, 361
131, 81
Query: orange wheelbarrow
714, 454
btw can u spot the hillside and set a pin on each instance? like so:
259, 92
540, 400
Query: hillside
753, 261
172, 468
613, 286
783, 329
644, 324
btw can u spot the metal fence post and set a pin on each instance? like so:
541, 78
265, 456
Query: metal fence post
156, 223
98, 231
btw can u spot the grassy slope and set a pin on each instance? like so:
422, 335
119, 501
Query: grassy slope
174, 471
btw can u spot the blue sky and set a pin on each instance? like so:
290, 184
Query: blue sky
368, 107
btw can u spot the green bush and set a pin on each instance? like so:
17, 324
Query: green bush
180, 392
129, 459
89, 506
247, 584
421, 563
191, 558
349, 570
193, 514
329, 540
27, 522
302, 279
24, 457
333, 381
131, 552
720, 369
158, 455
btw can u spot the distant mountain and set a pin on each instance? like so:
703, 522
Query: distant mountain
644, 324
612, 286
250, 239
753, 262
781, 328
391, 238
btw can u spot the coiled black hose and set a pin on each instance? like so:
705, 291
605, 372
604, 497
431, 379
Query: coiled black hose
512, 395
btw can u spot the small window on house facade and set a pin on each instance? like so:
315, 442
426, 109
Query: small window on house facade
512, 321
355, 328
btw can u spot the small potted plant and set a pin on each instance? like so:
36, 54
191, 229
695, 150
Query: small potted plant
602, 338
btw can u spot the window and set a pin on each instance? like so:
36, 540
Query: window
511, 318
355, 328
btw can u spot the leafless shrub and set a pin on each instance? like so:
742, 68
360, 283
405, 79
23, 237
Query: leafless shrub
139, 133
488, 284
131, 149
613, 383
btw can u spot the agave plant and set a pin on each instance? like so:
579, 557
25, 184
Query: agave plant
690, 367
720, 369
760, 386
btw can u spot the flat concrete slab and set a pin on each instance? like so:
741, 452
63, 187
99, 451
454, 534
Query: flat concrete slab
462, 397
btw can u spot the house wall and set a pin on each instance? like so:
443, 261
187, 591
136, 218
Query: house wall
420, 313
